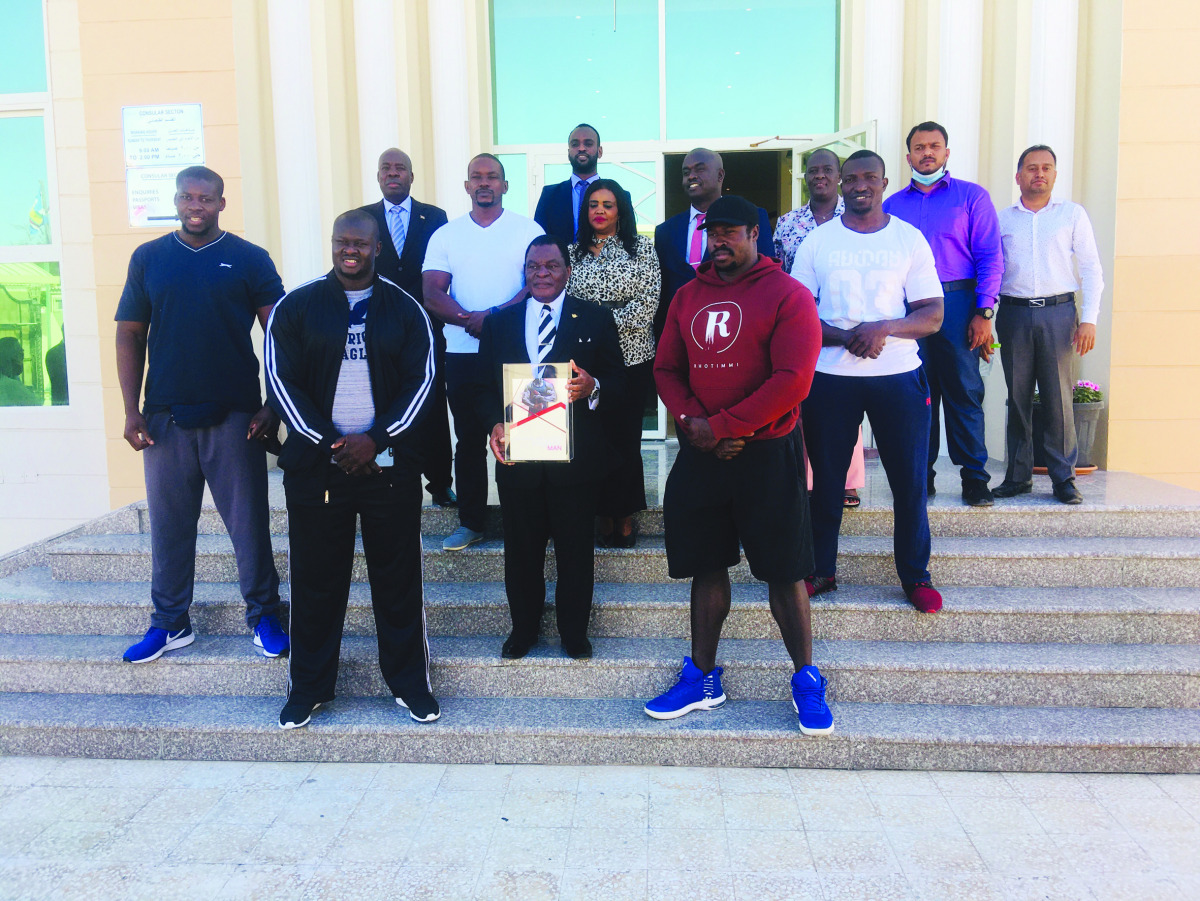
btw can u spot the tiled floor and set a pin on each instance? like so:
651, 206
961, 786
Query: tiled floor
132, 829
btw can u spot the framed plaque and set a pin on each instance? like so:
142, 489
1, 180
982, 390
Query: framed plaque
537, 413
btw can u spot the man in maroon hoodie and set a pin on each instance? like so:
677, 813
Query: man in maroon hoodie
735, 360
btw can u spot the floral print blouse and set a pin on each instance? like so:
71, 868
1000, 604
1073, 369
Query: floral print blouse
629, 288
791, 230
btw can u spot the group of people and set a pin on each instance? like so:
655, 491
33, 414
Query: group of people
767, 350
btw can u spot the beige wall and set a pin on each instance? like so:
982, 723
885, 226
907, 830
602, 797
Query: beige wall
1154, 418
137, 52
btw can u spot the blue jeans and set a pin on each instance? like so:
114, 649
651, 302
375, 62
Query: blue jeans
177, 465
898, 408
955, 383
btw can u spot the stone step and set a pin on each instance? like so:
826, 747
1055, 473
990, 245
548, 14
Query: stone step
1020, 675
1016, 518
1045, 562
743, 733
31, 602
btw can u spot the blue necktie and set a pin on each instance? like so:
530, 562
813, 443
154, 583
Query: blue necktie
396, 227
546, 333
580, 190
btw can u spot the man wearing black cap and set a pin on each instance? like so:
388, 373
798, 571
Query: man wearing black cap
735, 360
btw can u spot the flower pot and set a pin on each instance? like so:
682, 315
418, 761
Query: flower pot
1087, 417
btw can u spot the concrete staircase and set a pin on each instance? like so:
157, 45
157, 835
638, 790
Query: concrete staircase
1070, 641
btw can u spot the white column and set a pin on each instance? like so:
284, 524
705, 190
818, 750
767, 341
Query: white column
960, 82
883, 79
375, 64
1053, 56
292, 99
448, 87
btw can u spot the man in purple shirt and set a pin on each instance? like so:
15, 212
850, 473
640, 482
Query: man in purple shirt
959, 221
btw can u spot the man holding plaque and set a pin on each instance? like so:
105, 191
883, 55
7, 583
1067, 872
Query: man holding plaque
568, 347
735, 360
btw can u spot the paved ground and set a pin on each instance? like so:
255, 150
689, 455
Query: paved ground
132, 829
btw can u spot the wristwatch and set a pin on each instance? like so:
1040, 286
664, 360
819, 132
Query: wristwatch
595, 395
985, 312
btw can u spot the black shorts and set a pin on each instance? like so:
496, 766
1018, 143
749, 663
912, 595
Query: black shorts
758, 497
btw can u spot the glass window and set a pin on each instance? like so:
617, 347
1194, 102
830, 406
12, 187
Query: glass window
517, 198
23, 62
23, 208
558, 64
33, 357
752, 68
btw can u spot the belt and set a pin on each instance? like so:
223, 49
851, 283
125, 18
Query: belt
1069, 297
962, 284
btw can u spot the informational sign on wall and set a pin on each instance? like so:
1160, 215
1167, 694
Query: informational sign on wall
159, 141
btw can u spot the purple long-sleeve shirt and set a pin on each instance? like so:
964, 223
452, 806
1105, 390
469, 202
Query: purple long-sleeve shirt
959, 221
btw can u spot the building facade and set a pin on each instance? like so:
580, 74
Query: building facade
298, 97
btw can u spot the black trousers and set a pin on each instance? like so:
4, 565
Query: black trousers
465, 382
434, 430
625, 488
1035, 347
321, 543
534, 511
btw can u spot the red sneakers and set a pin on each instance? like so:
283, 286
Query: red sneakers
924, 597
819, 585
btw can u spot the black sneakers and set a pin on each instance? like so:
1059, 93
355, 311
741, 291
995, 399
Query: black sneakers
296, 713
421, 707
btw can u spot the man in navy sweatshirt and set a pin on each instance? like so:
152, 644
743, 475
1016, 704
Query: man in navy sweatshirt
735, 360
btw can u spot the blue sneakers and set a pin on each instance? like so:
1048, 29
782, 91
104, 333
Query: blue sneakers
808, 697
694, 691
156, 642
270, 637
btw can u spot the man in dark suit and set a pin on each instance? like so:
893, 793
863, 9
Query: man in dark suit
405, 225
679, 241
559, 205
538, 500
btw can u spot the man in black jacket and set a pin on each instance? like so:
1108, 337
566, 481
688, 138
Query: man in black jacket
405, 225
539, 501
350, 367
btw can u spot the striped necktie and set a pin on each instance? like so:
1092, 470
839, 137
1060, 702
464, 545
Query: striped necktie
396, 227
546, 333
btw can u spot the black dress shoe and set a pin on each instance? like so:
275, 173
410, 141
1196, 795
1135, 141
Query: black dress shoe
1067, 492
515, 648
578, 650
931, 490
1012, 489
444, 498
975, 493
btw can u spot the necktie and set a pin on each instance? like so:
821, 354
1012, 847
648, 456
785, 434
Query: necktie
580, 189
546, 333
396, 227
696, 251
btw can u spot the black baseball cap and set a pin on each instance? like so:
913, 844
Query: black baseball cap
731, 210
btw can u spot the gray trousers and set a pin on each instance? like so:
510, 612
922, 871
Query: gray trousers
1035, 347
177, 465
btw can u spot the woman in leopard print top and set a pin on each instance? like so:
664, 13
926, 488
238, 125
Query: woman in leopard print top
614, 266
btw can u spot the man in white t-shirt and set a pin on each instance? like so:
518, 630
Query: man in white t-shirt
877, 292
474, 265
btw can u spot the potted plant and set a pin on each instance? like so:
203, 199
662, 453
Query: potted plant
1087, 402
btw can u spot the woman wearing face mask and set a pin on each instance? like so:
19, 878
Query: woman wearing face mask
614, 266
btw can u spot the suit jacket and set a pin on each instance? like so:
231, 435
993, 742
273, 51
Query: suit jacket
554, 213
670, 240
587, 334
423, 220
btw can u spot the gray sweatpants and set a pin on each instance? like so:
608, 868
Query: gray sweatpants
177, 465
1035, 346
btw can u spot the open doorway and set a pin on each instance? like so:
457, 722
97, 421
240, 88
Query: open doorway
764, 177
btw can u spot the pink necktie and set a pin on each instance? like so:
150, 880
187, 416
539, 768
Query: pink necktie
696, 251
